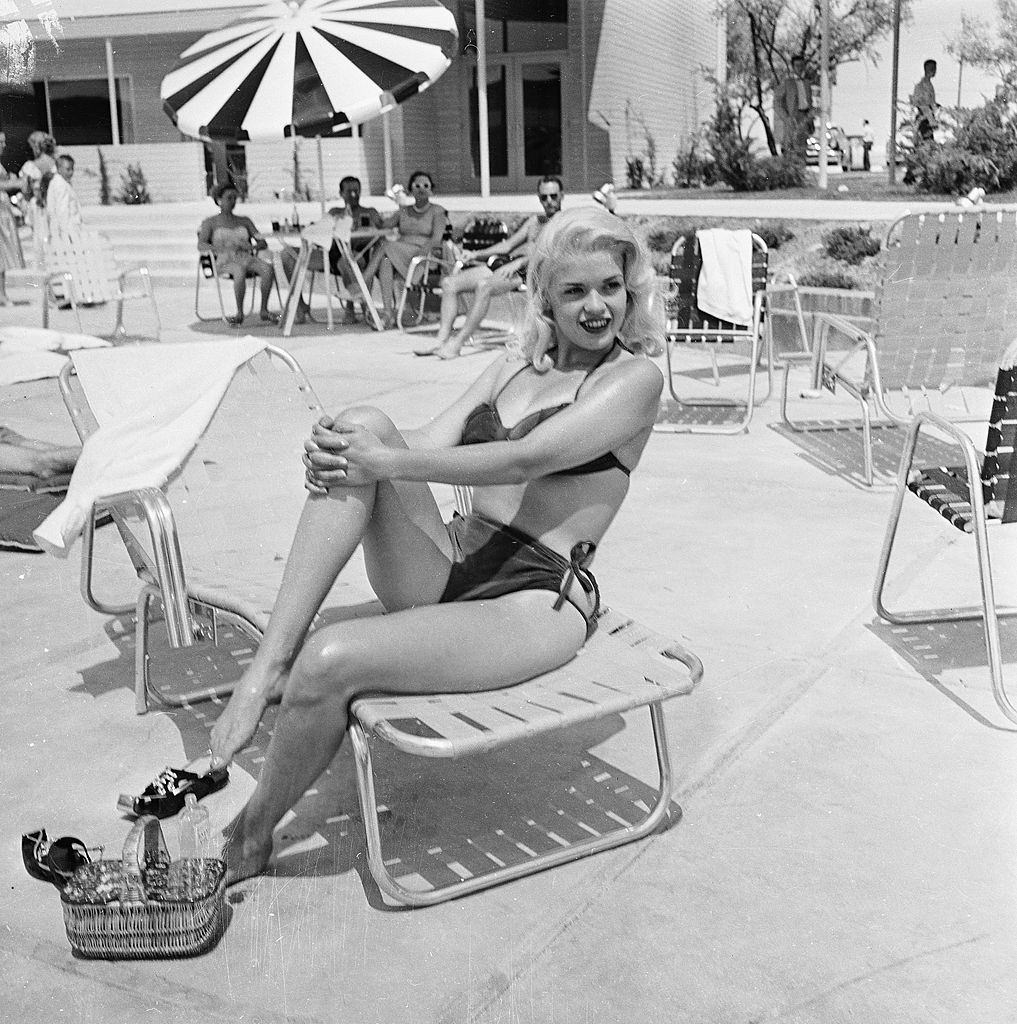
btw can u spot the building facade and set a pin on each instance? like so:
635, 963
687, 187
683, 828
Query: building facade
574, 87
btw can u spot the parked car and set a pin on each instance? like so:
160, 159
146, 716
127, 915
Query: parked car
833, 134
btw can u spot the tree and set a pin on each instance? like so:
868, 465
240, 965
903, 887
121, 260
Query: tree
764, 36
993, 48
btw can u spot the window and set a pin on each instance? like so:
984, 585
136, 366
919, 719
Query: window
79, 112
519, 26
74, 111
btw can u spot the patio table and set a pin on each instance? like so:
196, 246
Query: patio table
320, 236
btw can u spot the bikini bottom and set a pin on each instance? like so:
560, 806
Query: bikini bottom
492, 559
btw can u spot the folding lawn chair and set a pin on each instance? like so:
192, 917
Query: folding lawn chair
422, 290
84, 271
971, 498
943, 313
688, 325
211, 545
208, 270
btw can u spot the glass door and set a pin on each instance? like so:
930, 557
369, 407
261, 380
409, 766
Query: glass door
524, 111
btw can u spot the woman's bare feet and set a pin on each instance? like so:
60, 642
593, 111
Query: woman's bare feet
450, 350
244, 857
236, 726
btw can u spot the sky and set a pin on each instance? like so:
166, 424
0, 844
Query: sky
864, 91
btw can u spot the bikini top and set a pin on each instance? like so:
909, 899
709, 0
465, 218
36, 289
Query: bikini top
484, 424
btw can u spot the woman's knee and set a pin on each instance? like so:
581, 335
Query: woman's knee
318, 674
370, 417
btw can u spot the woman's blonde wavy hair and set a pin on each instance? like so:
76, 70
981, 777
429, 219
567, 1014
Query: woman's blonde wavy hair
576, 232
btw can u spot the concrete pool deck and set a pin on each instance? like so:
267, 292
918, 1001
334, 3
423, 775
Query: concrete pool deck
846, 845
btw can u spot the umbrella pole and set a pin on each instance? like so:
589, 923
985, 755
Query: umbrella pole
387, 142
321, 176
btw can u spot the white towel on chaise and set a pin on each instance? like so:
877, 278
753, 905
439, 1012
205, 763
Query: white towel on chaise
152, 403
724, 289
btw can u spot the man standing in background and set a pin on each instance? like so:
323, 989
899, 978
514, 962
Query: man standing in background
792, 110
923, 99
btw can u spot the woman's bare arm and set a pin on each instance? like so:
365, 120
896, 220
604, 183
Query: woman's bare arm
611, 412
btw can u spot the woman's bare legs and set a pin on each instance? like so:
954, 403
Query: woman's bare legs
386, 276
19, 454
240, 293
486, 291
407, 551
465, 647
467, 281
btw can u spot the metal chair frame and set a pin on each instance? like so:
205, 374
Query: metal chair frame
479, 234
208, 261
191, 612
623, 667
971, 497
87, 260
943, 314
687, 324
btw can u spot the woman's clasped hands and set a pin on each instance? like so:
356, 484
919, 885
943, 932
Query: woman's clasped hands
341, 454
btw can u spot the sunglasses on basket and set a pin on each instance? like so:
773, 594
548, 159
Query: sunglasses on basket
54, 860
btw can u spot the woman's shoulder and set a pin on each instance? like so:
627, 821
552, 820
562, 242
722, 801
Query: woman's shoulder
632, 370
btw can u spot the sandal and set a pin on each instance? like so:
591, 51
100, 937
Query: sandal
164, 795
54, 861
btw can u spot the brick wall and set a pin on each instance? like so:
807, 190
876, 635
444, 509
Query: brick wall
656, 75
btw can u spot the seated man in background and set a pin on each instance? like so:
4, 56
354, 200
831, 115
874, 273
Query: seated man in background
496, 270
364, 218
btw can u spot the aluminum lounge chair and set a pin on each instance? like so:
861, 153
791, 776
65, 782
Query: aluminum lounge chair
972, 498
943, 314
187, 541
687, 324
210, 547
84, 271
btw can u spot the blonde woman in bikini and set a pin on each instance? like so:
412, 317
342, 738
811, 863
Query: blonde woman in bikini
546, 439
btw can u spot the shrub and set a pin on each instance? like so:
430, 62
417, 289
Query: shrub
951, 169
635, 172
731, 153
662, 239
775, 172
850, 245
989, 132
133, 187
692, 168
774, 233
738, 166
828, 277
104, 191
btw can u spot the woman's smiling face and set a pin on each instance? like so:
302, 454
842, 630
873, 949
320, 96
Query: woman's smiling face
589, 300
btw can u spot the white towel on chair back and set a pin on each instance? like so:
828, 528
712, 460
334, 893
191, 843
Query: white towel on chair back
152, 403
724, 289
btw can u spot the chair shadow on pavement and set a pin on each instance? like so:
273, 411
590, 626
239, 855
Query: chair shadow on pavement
687, 415
837, 450
440, 820
951, 656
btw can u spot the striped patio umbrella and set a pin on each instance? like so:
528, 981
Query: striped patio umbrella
308, 68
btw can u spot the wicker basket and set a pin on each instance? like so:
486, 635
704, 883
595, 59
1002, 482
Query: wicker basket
144, 905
